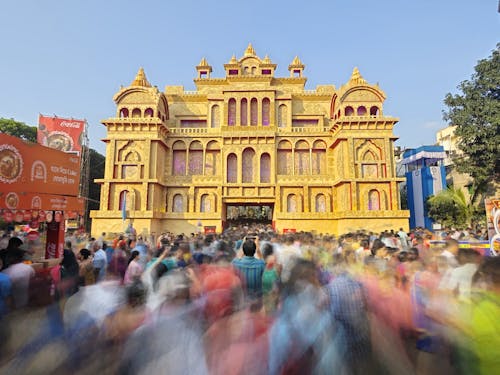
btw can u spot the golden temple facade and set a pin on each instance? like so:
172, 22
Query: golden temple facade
250, 147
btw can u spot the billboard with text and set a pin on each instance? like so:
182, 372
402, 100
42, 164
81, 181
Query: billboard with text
60, 133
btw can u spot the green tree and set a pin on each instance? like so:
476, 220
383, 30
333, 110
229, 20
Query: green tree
96, 161
476, 113
452, 208
18, 129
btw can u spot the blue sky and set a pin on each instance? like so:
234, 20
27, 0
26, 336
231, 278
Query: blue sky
70, 57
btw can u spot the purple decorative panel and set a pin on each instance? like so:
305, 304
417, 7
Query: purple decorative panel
179, 162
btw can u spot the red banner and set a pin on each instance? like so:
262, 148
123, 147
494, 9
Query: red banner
60, 133
30, 168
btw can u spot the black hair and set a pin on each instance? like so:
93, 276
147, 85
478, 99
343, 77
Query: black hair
85, 253
267, 250
136, 294
249, 248
377, 245
134, 255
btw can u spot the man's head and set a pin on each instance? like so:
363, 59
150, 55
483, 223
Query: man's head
452, 246
68, 245
249, 248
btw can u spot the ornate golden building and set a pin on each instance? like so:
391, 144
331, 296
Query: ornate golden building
250, 147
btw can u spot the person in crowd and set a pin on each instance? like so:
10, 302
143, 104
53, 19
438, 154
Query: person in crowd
70, 270
134, 269
86, 268
99, 262
12, 246
250, 269
20, 275
270, 280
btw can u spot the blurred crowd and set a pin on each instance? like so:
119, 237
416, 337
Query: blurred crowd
251, 301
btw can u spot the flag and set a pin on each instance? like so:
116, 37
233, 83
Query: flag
124, 206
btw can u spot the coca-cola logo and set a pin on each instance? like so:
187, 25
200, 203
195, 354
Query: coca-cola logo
71, 124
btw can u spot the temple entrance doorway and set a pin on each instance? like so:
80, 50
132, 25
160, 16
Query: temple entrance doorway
248, 214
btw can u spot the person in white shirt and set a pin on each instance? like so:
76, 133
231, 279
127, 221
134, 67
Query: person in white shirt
450, 252
20, 275
100, 261
459, 280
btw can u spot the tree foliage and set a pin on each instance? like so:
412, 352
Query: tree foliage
18, 129
96, 171
476, 113
452, 208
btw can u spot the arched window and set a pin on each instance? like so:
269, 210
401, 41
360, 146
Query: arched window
349, 111
265, 168
374, 111
231, 112
319, 157
361, 110
266, 107
215, 123
254, 114
291, 203
302, 158
248, 165
373, 200
136, 112
285, 161
232, 168
123, 112
244, 112
195, 158
205, 203
320, 203
123, 200
178, 204
254, 69
212, 158
338, 114
282, 115
179, 158
148, 112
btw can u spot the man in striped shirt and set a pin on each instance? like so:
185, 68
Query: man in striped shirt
250, 269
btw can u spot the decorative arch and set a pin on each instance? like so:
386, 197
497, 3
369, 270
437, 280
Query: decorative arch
266, 108
282, 115
232, 168
231, 112
212, 158
318, 155
265, 168
149, 112
205, 203
132, 156
195, 166
178, 203
374, 110
349, 111
247, 165
320, 203
370, 94
124, 199
244, 112
215, 116
179, 158
292, 203
254, 114
302, 158
136, 112
368, 149
333, 104
285, 158
361, 111
374, 200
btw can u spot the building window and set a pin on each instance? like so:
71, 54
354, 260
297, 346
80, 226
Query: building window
248, 165
244, 112
302, 166
231, 112
254, 116
136, 112
124, 199
148, 112
123, 112
232, 168
212, 158
373, 200
215, 121
320, 203
196, 158
265, 168
266, 72
291, 203
285, 161
361, 111
205, 203
266, 106
349, 111
282, 115
319, 157
178, 204
179, 159
233, 72
374, 111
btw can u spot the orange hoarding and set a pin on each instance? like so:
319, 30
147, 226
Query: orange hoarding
60, 133
13, 200
31, 168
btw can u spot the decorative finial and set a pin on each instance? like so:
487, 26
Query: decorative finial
233, 60
203, 62
140, 79
356, 77
267, 60
296, 63
250, 51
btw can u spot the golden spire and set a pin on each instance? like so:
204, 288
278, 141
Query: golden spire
140, 79
233, 60
250, 51
356, 77
203, 62
266, 60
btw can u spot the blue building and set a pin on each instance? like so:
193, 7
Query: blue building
425, 176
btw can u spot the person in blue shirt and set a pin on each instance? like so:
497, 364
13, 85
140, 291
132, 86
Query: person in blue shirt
250, 269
